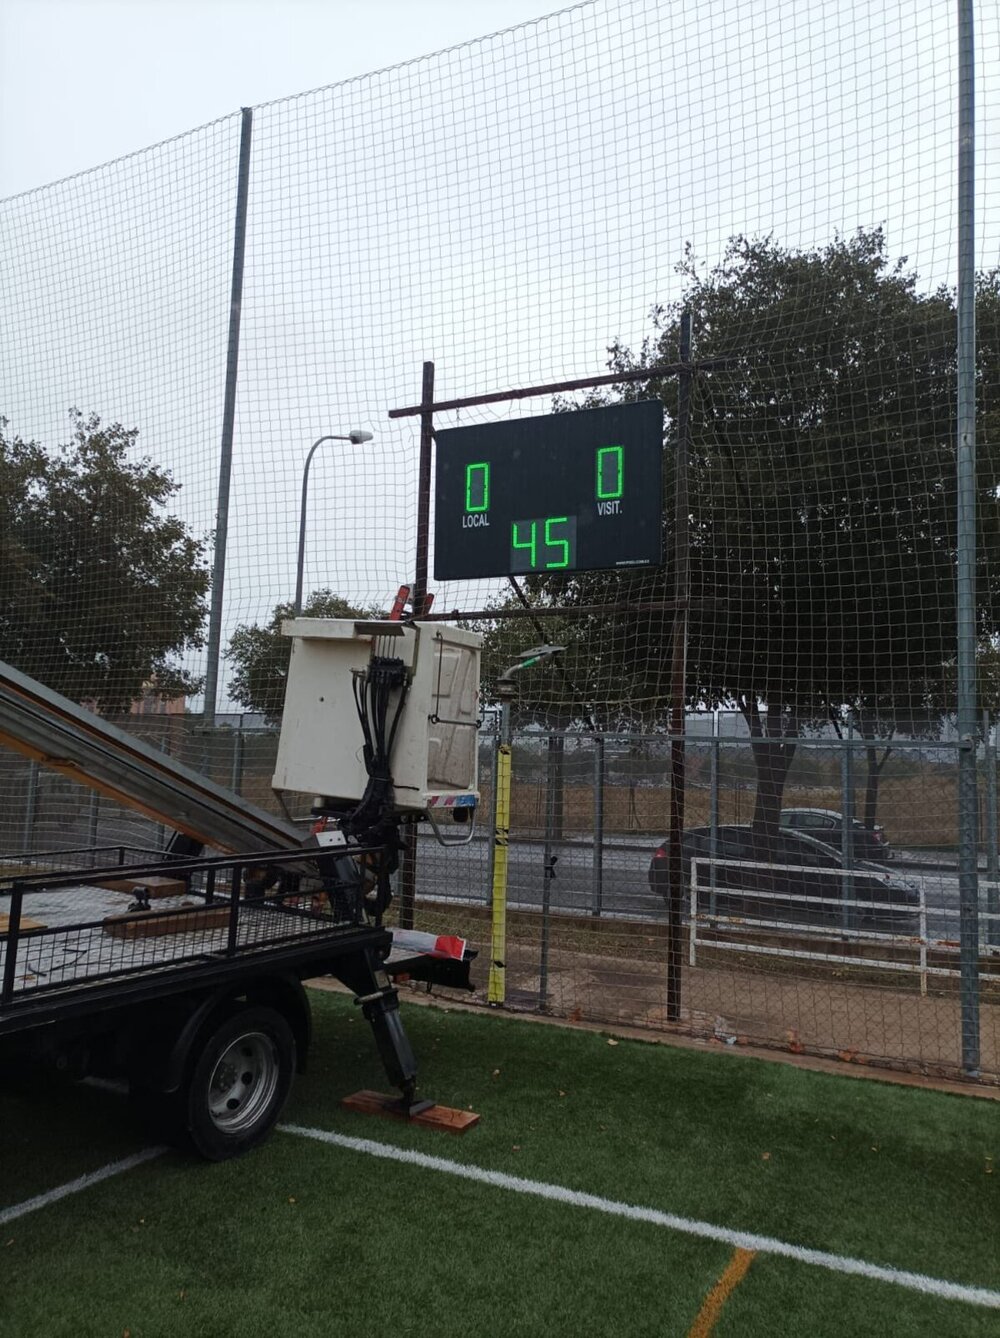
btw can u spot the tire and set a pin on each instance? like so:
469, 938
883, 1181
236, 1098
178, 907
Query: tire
238, 1082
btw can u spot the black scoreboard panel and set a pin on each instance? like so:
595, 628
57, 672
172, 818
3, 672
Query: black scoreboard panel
576, 491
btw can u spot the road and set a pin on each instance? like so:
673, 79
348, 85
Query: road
462, 873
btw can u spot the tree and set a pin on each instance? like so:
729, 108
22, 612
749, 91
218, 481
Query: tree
99, 588
260, 654
822, 497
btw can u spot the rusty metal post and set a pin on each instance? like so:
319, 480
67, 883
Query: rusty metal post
678, 673
408, 870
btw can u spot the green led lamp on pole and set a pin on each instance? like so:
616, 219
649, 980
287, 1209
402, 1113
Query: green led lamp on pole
356, 438
496, 991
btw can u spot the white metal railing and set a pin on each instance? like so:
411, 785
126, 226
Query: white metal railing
740, 924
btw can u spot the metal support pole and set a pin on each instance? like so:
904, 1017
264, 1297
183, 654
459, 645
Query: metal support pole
494, 763
679, 675
300, 552
553, 798
236, 779
163, 745
968, 874
424, 491
992, 835
355, 437
228, 422
30, 808
408, 870
597, 875
496, 992
713, 820
847, 827
93, 818
990, 798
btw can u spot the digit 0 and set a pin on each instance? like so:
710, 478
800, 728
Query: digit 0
610, 472
477, 487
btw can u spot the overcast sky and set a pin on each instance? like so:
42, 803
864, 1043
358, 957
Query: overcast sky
84, 81
507, 209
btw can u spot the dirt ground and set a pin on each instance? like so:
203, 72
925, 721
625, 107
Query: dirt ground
856, 1023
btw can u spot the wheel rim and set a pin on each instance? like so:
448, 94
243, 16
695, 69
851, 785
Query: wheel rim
243, 1083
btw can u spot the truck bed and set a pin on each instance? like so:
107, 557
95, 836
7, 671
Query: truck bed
93, 952
76, 948
93, 945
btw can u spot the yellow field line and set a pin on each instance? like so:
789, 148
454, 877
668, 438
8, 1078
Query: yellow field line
733, 1275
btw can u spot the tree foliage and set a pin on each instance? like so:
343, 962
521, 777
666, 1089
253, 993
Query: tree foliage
822, 499
259, 655
100, 588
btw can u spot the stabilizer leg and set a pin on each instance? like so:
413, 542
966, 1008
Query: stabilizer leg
379, 1001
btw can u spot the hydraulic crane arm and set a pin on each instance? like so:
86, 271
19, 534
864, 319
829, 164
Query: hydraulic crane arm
64, 737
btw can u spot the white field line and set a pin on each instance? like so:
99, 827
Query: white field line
742, 1240
81, 1183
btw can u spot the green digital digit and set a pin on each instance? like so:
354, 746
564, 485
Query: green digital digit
550, 542
610, 472
531, 543
477, 487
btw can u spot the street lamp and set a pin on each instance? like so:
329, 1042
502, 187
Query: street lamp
356, 438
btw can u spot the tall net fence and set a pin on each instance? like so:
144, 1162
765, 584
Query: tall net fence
539, 205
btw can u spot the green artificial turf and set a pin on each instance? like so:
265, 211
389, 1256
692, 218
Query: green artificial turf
302, 1238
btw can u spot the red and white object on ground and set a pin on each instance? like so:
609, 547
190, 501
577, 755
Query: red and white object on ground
445, 946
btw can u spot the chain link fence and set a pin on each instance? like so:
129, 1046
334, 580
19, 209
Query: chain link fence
801, 943
182, 326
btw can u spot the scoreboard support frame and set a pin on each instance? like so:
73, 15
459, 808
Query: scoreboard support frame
685, 369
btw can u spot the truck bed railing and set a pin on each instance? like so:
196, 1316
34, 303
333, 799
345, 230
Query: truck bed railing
64, 930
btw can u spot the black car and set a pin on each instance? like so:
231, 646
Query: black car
827, 826
802, 877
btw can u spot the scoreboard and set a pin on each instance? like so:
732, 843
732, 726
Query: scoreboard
575, 491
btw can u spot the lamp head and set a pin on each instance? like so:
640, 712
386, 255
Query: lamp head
356, 437
505, 683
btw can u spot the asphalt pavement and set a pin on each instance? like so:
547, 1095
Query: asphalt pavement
620, 888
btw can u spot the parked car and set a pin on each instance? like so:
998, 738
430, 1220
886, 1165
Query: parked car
790, 868
828, 826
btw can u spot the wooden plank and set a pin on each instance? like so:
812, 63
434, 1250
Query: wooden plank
154, 887
26, 925
153, 924
445, 1118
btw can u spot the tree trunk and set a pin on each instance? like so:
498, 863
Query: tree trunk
872, 783
773, 751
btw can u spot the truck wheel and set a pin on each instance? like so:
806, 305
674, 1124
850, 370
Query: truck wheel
239, 1082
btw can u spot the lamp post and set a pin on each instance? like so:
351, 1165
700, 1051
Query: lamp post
356, 438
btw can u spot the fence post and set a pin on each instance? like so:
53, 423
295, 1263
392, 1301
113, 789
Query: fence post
847, 824
968, 855
923, 939
30, 808
713, 820
228, 422
678, 674
553, 830
992, 838
494, 761
93, 819
597, 877
496, 990
164, 747
236, 779
408, 871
